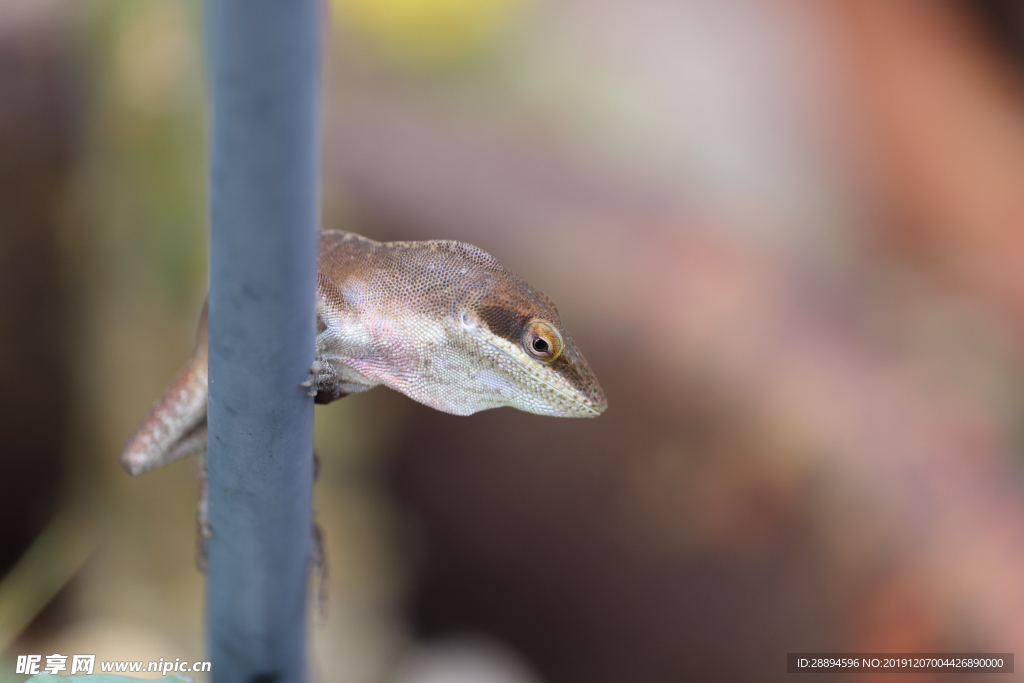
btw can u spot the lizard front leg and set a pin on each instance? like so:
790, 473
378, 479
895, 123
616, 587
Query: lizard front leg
324, 383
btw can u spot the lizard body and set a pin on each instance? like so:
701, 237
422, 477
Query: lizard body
440, 321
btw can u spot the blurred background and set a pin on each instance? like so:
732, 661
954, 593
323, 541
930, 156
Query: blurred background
788, 235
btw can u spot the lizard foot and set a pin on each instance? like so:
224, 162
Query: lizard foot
312, 382
323, 383
205, 533
318, 564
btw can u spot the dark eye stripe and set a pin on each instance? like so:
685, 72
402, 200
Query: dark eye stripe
504, 322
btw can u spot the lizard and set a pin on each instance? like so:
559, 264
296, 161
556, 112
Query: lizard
440, 321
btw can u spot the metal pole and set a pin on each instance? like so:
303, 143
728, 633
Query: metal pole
264, 63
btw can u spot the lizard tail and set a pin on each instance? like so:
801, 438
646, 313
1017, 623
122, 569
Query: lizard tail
176, 415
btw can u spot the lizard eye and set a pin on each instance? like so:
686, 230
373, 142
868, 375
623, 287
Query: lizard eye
542, 341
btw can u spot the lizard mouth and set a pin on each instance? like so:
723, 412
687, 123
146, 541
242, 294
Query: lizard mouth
575, 398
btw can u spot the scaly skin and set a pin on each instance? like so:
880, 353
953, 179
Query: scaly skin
440, 321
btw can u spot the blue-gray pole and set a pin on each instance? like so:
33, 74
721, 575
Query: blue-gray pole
264, 65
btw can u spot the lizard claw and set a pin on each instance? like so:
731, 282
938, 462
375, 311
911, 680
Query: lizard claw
314, 374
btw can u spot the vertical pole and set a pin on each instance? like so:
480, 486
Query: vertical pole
264, 65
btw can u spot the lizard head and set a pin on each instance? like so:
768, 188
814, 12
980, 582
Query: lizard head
515, 347
452, 328
504, 343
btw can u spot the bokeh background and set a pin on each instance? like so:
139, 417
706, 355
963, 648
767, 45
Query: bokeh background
787, 234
